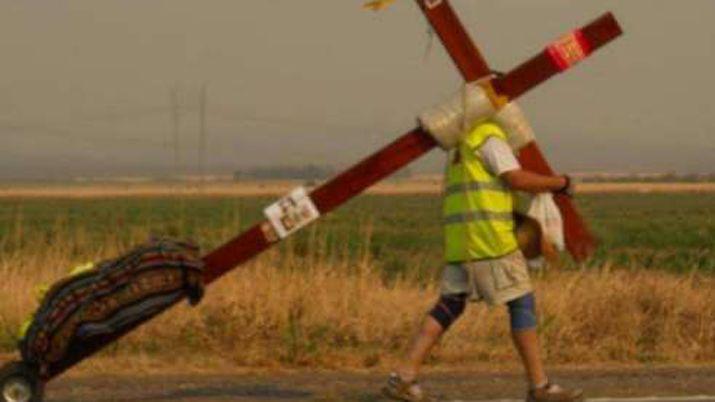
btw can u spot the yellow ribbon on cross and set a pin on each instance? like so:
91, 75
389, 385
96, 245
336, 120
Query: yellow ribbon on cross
378, 5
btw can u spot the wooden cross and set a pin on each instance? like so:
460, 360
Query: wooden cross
300, 208
417, 142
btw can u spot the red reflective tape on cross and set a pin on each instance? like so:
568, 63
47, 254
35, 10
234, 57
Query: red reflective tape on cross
569, 50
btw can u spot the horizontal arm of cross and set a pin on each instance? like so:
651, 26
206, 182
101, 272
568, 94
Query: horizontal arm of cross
542, 66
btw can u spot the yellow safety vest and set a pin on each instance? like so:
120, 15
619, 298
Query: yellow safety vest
478, 205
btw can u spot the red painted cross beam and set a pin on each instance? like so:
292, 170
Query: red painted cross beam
557, 57
417, 142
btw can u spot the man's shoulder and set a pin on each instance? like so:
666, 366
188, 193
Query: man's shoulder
482, 132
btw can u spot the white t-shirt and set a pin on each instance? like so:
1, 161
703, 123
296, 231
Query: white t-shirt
498, 156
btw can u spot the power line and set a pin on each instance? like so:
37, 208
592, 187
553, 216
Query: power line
67, 134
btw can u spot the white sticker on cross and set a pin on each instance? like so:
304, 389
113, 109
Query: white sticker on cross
292, 212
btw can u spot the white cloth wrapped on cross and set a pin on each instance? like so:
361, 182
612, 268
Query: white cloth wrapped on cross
473, 105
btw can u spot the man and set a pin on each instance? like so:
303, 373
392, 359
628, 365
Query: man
483, 258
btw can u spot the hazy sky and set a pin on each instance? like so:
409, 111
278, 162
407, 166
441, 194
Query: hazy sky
85, 84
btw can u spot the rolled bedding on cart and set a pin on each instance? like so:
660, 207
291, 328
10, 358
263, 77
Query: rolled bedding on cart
105, 298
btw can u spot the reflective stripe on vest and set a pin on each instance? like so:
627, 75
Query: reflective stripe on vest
475, 216
461, 188
478, 206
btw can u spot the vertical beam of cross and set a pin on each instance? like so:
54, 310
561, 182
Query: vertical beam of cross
456, 40
579, 241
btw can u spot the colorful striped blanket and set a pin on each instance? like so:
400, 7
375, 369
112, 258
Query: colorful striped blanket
110, 297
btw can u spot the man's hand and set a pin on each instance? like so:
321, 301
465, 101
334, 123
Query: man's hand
568, 187
530, 182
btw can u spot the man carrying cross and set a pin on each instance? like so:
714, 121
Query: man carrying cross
483, 260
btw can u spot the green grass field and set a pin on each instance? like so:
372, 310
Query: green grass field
655, 231
318, 299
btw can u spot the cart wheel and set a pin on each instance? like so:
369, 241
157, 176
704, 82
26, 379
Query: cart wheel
19, 383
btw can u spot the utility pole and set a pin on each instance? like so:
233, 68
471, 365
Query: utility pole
202, 132
175, 122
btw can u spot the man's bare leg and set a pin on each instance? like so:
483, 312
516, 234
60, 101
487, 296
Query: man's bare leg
527, 344
424, 341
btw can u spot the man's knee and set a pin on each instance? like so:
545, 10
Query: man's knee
523, 313
448, 309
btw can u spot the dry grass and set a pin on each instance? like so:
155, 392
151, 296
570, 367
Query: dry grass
325, 310
593, 188
419, 185
190, 189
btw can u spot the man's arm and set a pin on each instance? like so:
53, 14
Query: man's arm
530, 182
500, 159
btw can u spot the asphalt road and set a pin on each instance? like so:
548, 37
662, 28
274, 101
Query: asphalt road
658, 385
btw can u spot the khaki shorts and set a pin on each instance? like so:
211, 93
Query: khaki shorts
496, 282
